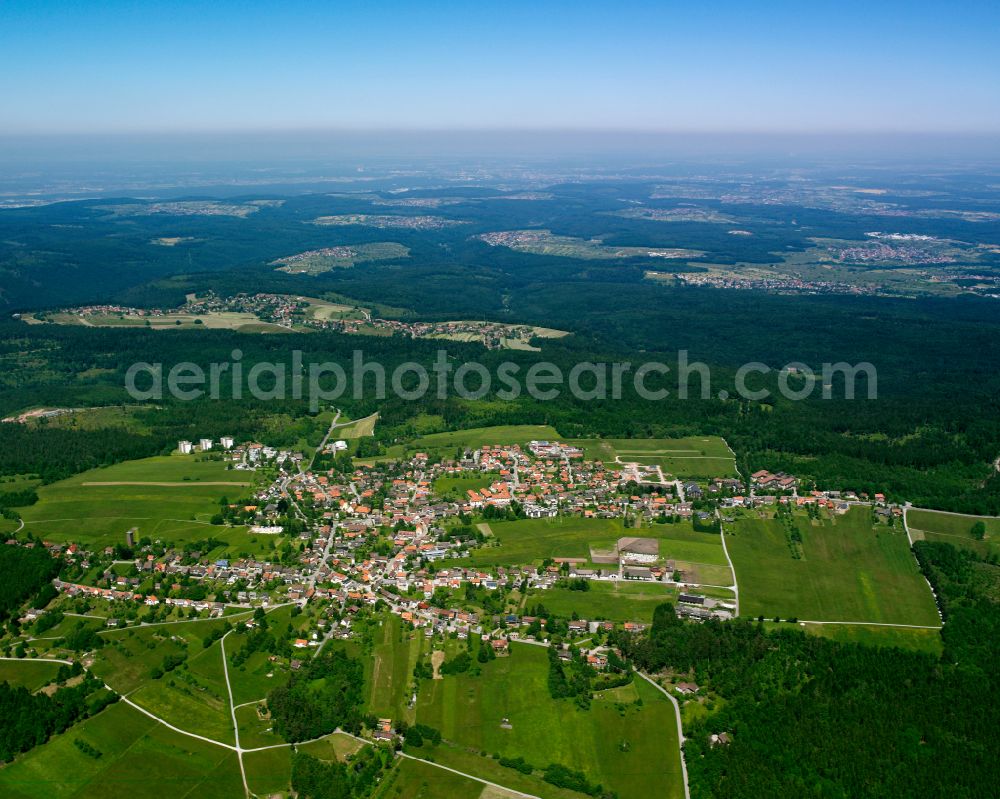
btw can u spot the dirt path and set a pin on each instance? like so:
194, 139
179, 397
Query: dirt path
437, 658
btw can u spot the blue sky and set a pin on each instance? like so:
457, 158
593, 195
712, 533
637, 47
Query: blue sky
712, 66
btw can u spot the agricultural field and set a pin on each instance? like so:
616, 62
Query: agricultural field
171, 498
630, 749
849, 570
695, 456
316, 262
545, 242
122, 417
140, 759
955, 529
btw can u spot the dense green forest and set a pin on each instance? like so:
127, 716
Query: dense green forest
811, 717
25, 571
29, 720
325, 694
929, 440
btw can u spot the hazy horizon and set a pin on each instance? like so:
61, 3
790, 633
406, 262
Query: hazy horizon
125, 67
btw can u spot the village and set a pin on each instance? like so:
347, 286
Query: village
381, 536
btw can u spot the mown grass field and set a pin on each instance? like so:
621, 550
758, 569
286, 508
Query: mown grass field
954, 529
30, 674
631, 749
618, 601
389, 672
849, 571
530, 540
694, 456
170, 498
141, 759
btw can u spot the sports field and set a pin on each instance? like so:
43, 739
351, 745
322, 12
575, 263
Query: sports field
631, 749
694, 456
140, 759
955, 529
171, 498
849, 571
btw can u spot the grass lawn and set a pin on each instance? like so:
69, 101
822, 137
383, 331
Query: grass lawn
171, 498
632, 750
848, 572
621, 600
30, 674
140, 759
456, 487
269, 772
954, 529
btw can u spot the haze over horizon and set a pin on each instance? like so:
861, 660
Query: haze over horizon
120, 67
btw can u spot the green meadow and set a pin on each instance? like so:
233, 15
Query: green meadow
531, 540
954, 529
619, 601
850, 570
900, 637
170, 498
140, 759
30, 674
628, 748
456, 487
412, 779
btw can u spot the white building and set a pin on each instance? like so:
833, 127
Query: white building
206, 444
339, 446
226, 442
185, 447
